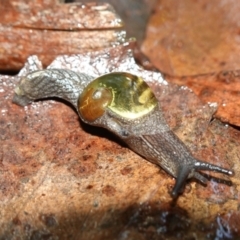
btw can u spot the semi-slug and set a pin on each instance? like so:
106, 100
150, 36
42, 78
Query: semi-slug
124, 104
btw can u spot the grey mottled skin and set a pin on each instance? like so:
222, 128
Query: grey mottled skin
62, 83
149, 135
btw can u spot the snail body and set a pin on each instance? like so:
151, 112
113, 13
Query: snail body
124, 104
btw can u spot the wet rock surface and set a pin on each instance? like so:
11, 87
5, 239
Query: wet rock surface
62, 179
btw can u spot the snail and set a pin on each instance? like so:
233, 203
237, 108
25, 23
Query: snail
125, 105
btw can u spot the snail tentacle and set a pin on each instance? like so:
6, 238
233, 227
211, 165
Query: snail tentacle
201, 165
182, 176
200, 178
186, 172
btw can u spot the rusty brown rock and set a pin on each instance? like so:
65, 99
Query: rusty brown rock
193, 37
56, 16
222, 88
48, 28
63, 179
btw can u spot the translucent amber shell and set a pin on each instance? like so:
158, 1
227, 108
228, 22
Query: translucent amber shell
123, 93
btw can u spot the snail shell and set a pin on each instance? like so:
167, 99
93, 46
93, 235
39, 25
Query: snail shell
124, 94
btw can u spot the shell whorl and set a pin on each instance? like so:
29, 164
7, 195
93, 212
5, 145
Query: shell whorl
93, 102
124, 94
